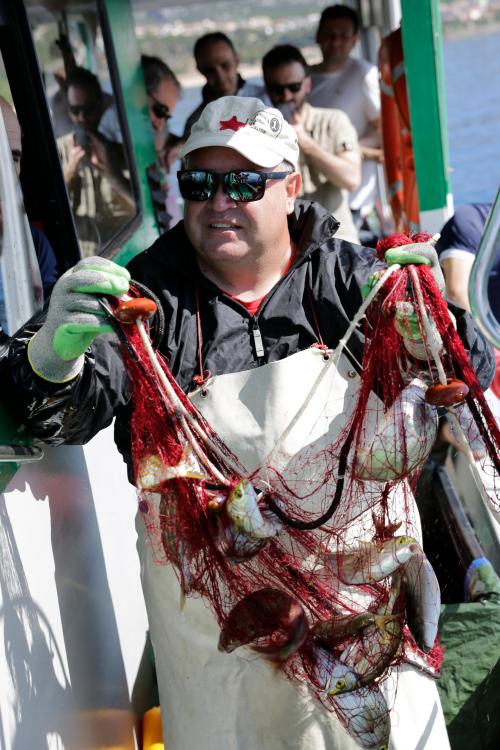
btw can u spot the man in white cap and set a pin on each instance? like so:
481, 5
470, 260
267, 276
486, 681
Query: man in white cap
264, 280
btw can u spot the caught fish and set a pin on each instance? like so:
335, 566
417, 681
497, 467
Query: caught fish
372, 650
328, 633
242, 508
470, 430
175, 547
373, 561
270, 621
152, 471
238, 546
423, 600
400, 440
366, 716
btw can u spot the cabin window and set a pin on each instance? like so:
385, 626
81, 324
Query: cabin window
89, 131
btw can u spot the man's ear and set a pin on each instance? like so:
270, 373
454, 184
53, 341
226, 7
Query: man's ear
307, 85
293, 185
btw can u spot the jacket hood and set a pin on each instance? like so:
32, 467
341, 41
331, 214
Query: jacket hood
310, 227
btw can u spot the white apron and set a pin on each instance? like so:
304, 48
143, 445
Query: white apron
218, 701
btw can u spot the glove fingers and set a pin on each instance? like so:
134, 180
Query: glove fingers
77, 303
98, 263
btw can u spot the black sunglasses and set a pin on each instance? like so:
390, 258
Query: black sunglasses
85, 109
279, 89
160, 110
240, 184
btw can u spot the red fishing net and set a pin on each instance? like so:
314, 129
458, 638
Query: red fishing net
314, 562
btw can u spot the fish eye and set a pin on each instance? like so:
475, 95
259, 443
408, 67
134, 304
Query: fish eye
340, 683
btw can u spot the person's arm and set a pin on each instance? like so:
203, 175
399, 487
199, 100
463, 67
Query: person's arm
371, 143
65, 379
456, 274
342, 169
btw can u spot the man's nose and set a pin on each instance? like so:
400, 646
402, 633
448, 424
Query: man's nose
220, 201
287, 96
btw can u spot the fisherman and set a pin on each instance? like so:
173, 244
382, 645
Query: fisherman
249, 282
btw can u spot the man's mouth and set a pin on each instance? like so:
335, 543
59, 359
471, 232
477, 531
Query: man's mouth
223, 225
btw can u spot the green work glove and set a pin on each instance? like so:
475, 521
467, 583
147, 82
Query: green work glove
417, 253
75, 317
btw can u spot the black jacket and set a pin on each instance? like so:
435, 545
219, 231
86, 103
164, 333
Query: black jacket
321, 291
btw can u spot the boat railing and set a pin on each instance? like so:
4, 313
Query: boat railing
480, 303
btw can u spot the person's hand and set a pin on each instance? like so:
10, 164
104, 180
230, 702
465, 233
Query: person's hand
418, 253
76, 154
170, 152
75, 318
100, 153
372, 153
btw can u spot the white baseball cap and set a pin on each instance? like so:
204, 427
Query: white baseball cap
247, 125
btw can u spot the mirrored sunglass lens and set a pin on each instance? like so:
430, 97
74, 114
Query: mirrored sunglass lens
244, 186
161, 111
196, 186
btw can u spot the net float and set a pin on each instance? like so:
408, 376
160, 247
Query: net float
454, 392
138, 308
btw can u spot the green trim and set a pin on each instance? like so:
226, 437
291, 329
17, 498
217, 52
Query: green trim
422, 44
128, 55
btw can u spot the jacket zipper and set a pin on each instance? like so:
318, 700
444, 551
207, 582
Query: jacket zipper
257, 339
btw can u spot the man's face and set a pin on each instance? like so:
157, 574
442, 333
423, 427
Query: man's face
291, 75
219, 64
85, 107
226, 234
336, 38
162, 103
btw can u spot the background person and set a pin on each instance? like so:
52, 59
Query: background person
351, 85
93, 164
329, 155
457, 248
163, 90
248, 252
217, 60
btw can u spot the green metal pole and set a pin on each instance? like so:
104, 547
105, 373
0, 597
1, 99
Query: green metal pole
128, 55
423, 53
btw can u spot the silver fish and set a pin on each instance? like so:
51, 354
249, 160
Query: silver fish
242, 508
423, 600
373, 561
470, 429
366, 715
401, 440
152, 471
372, 650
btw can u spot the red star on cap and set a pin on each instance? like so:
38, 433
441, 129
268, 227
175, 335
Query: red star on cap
232, 124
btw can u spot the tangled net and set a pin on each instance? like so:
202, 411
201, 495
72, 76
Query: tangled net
312, 559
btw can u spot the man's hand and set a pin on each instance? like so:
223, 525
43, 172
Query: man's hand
76, 154
418, 253
75, 318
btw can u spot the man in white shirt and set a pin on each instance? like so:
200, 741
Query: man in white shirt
351, 85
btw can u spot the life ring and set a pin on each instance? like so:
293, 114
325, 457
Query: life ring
396, 135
